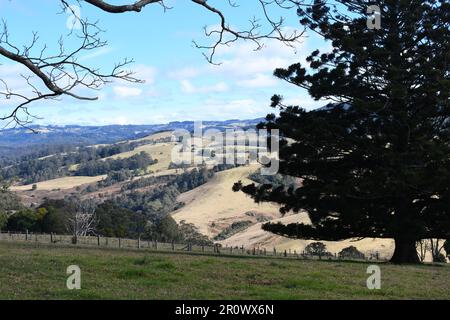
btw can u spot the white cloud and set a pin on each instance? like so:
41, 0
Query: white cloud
240, 64
229, 109
124, 92
145, 72
188, 87
95, 54
184, 73
259, 81
142, 72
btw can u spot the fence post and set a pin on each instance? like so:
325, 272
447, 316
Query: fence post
156, 245
139, 242
274, 251
254, 251
120, 243
203, 248
173, 245
285, 253
26, 234
51, 237
265, 253
98, 240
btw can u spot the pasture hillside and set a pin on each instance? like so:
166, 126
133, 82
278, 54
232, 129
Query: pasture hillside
214, 206
60, 183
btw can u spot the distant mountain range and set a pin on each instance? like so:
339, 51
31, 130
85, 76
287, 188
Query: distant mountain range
13, 140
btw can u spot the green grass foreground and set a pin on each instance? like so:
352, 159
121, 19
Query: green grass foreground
29, 272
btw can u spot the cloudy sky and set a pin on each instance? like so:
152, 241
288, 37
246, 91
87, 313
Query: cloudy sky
179, 83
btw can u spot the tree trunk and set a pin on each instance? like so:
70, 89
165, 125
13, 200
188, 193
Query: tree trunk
405, 251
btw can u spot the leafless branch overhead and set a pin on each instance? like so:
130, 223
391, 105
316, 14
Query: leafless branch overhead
61, 73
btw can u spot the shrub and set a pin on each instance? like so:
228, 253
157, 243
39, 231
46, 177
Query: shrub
351, 252
23, 220
317, 249
233, 229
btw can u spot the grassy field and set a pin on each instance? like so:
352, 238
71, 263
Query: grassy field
28, 272
160, 151
60, 183
215, 202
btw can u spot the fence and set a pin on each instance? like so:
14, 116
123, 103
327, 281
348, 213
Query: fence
138, 244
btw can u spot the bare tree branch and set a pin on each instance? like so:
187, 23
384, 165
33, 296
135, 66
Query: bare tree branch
136, 7
225, 35
62, 74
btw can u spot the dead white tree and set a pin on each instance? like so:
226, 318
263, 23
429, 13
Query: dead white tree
81, 220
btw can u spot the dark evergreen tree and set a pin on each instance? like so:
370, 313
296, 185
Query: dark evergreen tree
377, 162
447, 247
114, 221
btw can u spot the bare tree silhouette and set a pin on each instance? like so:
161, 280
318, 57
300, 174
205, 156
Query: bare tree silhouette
62, 73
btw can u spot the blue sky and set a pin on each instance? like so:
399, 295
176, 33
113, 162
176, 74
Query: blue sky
180, 83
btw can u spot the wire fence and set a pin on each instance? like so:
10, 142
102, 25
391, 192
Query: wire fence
154, 245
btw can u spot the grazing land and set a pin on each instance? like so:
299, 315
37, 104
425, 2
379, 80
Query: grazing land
60, 183
29, 272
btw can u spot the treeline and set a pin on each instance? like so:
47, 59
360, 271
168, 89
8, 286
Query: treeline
110, 220
146, 182
138, 161
114, 177
275, 180
30, 152
54, 161
126, 215
157, 203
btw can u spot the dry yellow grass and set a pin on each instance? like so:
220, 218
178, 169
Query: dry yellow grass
214, 206
254, 236
160, 151
216, 203
60, 183
156, 136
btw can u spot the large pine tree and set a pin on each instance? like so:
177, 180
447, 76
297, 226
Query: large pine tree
377, 162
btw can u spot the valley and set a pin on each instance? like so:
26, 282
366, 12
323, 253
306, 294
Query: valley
209, 206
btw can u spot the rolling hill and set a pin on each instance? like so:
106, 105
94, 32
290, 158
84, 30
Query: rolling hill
229, 218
